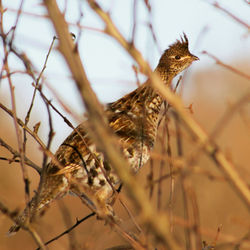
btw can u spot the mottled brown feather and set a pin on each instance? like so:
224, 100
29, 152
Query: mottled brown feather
134, 120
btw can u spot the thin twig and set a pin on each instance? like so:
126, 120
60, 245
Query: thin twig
135, 243
7, 212
135, 6
14, 111
216, 5
19, 12
164, 133
194, 128
12, 216
130, 215
221, 124
150, 178
151, 28
36, 238
172, 177
179, 144
196, 216
31, 14
50, 136
168, 104
73, 244
38, 81
69, 229
232, 69
17, 154
34, 135
100, 132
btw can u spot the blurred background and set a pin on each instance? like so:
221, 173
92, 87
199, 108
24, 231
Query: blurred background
210, 88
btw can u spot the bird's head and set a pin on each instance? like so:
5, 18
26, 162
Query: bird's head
177, 57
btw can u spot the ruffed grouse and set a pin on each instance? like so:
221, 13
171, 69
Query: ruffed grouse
134, 120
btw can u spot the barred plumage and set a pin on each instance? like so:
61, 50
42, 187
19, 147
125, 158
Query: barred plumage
134, 120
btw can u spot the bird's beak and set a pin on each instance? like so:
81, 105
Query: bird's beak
195, 58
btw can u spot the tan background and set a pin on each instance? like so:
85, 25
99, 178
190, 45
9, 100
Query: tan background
211, 92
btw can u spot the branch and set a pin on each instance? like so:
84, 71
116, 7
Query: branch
13, 101
69, 229
236, 71
245, 99
34, 135
102, 134
12, 216
17, 154
194, 128
216, 5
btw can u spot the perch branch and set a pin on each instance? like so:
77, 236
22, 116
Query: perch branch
101, 133
194, 128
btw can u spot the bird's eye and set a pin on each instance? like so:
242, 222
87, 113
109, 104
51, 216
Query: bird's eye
177, 57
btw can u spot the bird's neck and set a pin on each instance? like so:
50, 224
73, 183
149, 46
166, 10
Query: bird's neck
152, 100
144, 100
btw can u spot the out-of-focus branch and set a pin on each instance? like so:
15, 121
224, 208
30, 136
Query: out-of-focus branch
229, 114
7, 212
30, 14
194, 128
219, 62
112, 30
102, 134
216, 5
209, 146
36, 238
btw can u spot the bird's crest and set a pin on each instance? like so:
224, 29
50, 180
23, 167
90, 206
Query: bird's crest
181, 44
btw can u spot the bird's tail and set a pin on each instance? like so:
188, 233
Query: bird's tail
48, 192
13, 229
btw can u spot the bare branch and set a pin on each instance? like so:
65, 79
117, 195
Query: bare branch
69, 229
194, 128
227, 66
13, 105
229, 114
216, 5
103, 135
17, 154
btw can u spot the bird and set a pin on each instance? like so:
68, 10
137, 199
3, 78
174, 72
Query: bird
80, 168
